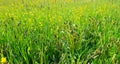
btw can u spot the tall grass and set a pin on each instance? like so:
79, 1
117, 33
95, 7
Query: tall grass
60, 31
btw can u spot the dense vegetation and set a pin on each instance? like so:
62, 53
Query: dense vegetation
60, 31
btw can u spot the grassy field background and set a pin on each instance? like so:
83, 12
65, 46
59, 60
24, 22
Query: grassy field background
60, 31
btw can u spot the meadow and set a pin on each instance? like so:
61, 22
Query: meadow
60, 31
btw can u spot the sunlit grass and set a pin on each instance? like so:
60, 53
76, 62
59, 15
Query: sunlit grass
59, 31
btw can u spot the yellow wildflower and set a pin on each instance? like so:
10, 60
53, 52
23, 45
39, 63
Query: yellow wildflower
3, 60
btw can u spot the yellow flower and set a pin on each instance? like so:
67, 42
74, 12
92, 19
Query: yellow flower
3, 60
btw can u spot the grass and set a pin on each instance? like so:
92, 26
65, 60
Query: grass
60, 31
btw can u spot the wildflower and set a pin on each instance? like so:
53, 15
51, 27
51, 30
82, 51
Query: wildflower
3, 60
